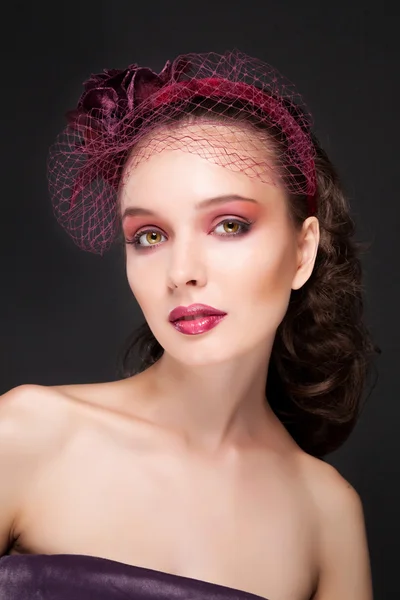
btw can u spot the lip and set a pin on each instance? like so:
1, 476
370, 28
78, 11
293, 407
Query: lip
194, 310
198, 325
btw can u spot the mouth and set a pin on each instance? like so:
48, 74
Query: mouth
195, 319
197, 324
193, 312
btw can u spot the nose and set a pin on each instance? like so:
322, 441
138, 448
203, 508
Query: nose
186, 265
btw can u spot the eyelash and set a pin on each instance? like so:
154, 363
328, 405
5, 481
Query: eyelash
245, 228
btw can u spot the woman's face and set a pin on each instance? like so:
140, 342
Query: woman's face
206, 234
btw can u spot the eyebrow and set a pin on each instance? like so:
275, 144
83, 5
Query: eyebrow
134, 211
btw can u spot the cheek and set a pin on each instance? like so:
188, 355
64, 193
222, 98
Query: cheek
142, 281
266, 264
278, 272
257, 271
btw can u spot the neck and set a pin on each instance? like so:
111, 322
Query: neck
212, 405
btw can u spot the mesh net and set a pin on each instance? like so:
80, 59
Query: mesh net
124, 116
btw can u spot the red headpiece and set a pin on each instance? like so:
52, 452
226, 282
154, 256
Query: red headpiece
119, 107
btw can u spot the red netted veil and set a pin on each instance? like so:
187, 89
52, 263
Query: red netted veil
137, 110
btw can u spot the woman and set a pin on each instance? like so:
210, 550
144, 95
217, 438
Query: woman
198, 474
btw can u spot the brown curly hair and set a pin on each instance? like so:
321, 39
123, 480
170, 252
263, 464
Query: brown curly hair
322, 353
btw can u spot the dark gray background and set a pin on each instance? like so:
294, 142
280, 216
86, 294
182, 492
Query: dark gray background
64, 313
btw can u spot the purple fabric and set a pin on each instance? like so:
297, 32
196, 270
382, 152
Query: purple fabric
81, 577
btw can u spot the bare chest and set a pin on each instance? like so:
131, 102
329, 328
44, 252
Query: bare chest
249, 528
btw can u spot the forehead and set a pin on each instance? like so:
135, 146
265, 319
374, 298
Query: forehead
200, 159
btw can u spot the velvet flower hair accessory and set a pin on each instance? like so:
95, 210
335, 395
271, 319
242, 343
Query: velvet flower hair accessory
110, 96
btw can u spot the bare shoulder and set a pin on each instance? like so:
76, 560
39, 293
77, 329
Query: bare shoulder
333, 497
31, 416
48, 412
33, 425
342, 547
326, 485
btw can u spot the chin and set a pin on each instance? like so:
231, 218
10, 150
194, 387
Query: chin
196, 352
210, 348
201, 355
203, 359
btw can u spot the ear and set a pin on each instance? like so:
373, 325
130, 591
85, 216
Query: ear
308, 241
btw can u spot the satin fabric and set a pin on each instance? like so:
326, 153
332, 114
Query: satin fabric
81, 577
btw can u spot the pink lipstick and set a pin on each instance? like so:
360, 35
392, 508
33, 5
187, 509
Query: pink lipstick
196, 318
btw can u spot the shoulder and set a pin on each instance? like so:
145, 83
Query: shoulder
32, 414
36, 425
341, 546
32, 428
324, 482
25, 401
333, 497
40, 417
53, 410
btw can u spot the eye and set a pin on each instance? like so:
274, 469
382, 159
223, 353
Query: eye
146, 239
231, 227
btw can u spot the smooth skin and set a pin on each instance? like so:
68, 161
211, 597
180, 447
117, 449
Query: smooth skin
184, 468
